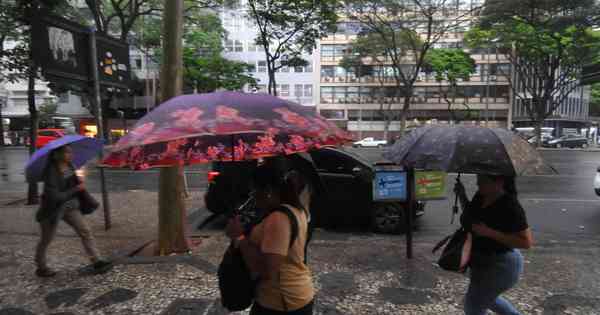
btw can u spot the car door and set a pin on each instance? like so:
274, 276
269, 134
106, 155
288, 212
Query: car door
347, 186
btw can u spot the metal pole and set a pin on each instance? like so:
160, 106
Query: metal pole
487, 88
100, 134
411, 209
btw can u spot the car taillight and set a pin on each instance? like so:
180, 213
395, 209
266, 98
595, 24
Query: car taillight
211, 176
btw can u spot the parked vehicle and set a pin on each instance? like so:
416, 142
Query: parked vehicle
569, 141
597, 181
46, 135
370, 142
346, 199
546, 138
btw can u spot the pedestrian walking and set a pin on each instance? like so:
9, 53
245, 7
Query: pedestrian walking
60, 201
273, 252
499, 227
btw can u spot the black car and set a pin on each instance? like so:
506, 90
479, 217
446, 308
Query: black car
569, 141
344, 196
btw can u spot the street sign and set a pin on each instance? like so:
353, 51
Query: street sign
62, 49
430, 185
113, 62
390, 186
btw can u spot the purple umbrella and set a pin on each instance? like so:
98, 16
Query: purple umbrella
84, 149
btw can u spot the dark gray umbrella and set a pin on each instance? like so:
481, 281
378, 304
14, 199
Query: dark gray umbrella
463, 149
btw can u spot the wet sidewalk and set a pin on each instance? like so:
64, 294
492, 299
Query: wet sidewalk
355, 273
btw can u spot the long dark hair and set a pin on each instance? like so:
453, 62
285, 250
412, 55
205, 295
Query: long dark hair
278, 175
509, 186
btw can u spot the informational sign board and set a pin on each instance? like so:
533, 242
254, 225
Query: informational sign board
430, 185
62, 49
390, 186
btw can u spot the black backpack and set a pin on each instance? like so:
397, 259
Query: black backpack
235, 281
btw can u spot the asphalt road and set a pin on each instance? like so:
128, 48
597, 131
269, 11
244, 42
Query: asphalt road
564, 204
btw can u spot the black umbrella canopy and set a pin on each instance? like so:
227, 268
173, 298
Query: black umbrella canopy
465, 149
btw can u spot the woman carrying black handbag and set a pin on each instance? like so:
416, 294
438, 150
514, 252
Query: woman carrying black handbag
499, 227
63, 191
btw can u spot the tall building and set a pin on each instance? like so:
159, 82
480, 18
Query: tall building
485, 99
295, 84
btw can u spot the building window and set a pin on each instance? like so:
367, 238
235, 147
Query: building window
138, 63
228, 45
251, 68
238, 46
354, 114
327, 73
326, 94
262, 66
308, 90
307, 68
332, 113
284, 90
298, 90
252, 46
339, 94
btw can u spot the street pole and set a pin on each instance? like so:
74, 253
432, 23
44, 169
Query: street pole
411, 209
98, 106
1, 124
171, 214
487, 88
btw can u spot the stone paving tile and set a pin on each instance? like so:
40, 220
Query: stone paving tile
355, 273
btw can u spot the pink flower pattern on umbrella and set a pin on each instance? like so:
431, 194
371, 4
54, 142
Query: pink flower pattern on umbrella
201, 128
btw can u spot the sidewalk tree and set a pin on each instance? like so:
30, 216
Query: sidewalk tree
46, 111
367, 58
393, 23
289, 28
548, 43
449, 66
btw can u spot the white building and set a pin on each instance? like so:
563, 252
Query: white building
295, 84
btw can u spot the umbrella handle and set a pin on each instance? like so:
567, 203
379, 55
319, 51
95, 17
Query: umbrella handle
455, 207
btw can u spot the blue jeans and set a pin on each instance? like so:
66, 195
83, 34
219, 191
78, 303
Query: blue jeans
491, 275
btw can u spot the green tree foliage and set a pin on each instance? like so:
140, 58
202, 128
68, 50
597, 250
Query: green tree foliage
407, 30
449, 66
205, 69
286, 29
547, 43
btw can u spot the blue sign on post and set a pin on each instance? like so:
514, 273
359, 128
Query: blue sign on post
390, 186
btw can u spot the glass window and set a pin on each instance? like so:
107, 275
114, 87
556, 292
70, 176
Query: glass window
251, 68
308, 90
252, 46
298, 90
327, 73
228, 45
332, 113
298, 69
327, 52
353, 114
367, 115
308, 67
339, 94
326, 94
284, 90
238, 46
262, 66
353, 95
340, 74
366, 96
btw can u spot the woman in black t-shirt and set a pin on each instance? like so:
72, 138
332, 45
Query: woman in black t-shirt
499, 227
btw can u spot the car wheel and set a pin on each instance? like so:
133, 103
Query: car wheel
558, 145
388, 218
584, 145
597, 190
380, 146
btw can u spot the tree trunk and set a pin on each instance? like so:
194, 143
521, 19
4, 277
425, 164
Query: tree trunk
405, 109
1, 126
538, 132
272, 81
172, 218
32, 191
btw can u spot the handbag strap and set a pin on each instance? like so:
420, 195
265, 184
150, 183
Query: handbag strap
441, 243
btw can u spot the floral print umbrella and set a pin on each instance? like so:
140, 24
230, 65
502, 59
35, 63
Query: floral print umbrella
222, 126
464, 149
